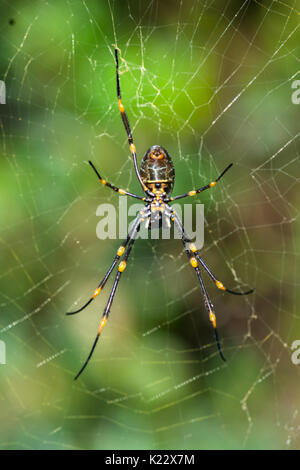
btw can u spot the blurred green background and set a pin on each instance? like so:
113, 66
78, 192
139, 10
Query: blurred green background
211, 82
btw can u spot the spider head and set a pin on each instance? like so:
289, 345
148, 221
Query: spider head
157, 170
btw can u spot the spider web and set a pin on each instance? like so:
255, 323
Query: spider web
212, 82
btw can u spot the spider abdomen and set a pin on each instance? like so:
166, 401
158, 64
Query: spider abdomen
157, 169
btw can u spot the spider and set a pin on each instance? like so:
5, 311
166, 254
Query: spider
156, 177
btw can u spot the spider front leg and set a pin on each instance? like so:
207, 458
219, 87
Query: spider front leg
127, 127
197, 191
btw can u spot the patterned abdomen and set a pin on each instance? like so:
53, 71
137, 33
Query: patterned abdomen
157, 167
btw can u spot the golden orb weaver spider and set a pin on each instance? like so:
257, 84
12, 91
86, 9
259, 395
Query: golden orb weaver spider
156, 177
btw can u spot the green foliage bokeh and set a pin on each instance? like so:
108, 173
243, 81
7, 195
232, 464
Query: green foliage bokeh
212, 84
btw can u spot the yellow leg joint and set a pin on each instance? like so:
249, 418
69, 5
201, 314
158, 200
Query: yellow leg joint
122, 191
194, 262
122, 266
121, 107
192, 193
193, 247
121, 250
102, 325
97, 292
212, 318
103, 181
212, 184
132, 148
220, 285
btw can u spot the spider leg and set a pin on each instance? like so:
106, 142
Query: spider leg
120, 251
111, 186
209, 307
194, 250
219, 284
127, 127
194, 263
197, 191
105, 314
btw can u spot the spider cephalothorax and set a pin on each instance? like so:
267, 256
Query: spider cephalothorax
156, 177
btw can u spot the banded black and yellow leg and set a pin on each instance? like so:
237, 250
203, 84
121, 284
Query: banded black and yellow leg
197, 191
127, 128
105, 315
209, 308
120, 251
208, 304
104, 280
194, 263
114, 188
218, 283
191, 246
